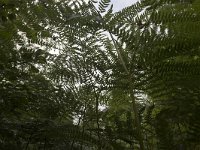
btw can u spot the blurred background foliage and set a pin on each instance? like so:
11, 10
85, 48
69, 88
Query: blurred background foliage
74, 75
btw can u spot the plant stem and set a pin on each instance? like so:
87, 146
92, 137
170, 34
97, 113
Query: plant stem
135, 109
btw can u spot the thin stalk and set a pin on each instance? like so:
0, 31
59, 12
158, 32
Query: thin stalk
97, 119
135, 109
98, 126
29, 140
72, 144
45, 142
83, 127
137, 121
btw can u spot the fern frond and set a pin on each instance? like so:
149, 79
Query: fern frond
103, 4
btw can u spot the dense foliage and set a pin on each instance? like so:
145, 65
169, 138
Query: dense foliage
76, 75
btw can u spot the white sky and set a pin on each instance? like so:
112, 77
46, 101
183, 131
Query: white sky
120, 4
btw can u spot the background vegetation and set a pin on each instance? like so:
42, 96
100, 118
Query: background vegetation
74, 75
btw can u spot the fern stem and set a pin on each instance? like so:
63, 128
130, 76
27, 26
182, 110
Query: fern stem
138, 125
83, 126
45, 142
135, 109
72, 144
97, 119
29, 140
119, 54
